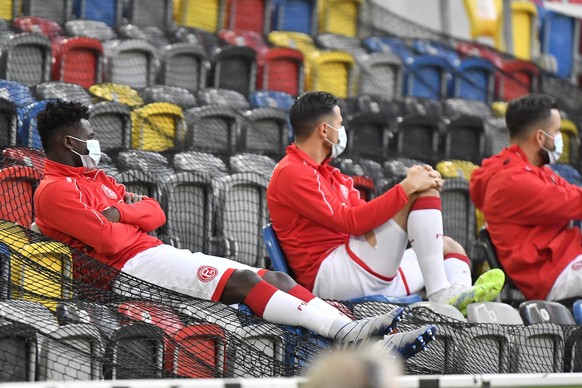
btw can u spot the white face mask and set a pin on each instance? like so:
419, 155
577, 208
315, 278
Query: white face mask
91, 160
554, 155
342, 141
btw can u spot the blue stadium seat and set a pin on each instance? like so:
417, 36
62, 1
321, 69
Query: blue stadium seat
473, 79
28, 134
557, 37
280, 264
295, 15
106, 11
271, 99
577, 308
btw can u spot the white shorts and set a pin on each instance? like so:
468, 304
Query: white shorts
195, 274
360, 269
569, 283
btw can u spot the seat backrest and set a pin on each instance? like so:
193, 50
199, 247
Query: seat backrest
26, 58
144, 13
105, 11
199, 161
264, 130
474, 79
339, 16
28, 312
235, 68
492, 312
64, 91
9, 9
111, 122
281, 69
293, 15
458, 211
516, 78
260, 164
271, 99
8, 122
17, 185
157, 126
341, 42
332, 71
212, 129
368, 135
442, 309
172, 94
539, 311
274, 250
132, 62
184, 65
116, 92
207, 15
229, 98
28, 133
58, 10
75, 312
249, 15
78, 60
46, 27
147, 161
577, 308
380, 74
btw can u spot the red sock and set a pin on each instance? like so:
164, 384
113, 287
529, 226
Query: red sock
259, 296
301, 292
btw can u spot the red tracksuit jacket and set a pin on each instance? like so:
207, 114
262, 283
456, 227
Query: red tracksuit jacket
69, 202
314, 208
528, 210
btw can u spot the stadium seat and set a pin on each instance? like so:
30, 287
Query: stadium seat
235, 68
207, 15
557, 38
108, 11
118, 93
458, 212
199, 161
150, 13
248, 15
281, 69
271, 99
90, 29
77, 60
212, 129
172, 94
331, 71
540, 311
184, 65
517, 79
293, 15
241, 212
187, 202
42, 272
274, 251
158, 126
380, 74
264, 131
17, 185
9, 9
28, 135
131, 62
396, 170
64, 91
224, 97
339, 16
23, 156
140, 182
524, 20
368, 135
577, 309
473, 79
111, 122
25, 58
59, 10
47, 27
12, 235
569, 131
8, 122
342, 43
257, 337
147, 161
465, 132
261, 164
295, 40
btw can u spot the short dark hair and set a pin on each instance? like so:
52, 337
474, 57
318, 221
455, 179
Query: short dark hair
527, 111
58, 115
308, 109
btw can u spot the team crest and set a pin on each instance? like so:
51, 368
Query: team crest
576, 265
206, 273
108, 192
345, 191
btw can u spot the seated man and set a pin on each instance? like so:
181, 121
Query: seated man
528, 208
81, 206
342, 247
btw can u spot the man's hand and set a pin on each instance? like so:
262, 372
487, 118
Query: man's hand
421, 178
132, 198
112, 214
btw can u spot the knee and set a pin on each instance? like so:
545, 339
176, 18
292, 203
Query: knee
451, 246
239, 285
280, 280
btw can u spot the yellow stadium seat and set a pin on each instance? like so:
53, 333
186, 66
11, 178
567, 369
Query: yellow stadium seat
12, 235
570, 136
9, 9
339, 16
38, 273
332, 72
485, 19
524, 15
157, 126
118, 93
294, 40
456, 169
499, 108
203, 14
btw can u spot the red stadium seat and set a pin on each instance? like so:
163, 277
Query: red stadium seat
17, 185
518, 78
37, 24
281, 69
77, 60
247, 15
23, 156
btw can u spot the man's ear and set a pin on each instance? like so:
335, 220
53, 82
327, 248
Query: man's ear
67, 142
539, 136
322, 129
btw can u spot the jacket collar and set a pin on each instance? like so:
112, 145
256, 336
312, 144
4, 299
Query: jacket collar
293, 150
52, 168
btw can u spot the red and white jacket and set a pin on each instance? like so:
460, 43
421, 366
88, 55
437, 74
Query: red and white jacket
314, 209
528, 210
68, 205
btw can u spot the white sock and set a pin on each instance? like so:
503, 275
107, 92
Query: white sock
425, 232
327, 308
285, 309
457, 269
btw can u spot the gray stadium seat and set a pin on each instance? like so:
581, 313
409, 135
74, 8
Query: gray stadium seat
131, 62
156, 13
380, 74
199, 161
230, 98
57, 10
184, 65
264, 131
235, 68
458, 212
465, 133
91, 29
25, 58
8, 122
63, 90
212, 129
172, 94
111, 122
260, 164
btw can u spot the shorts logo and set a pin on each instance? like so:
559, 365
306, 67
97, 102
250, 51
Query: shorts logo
576, 265
108, 192
206, 273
